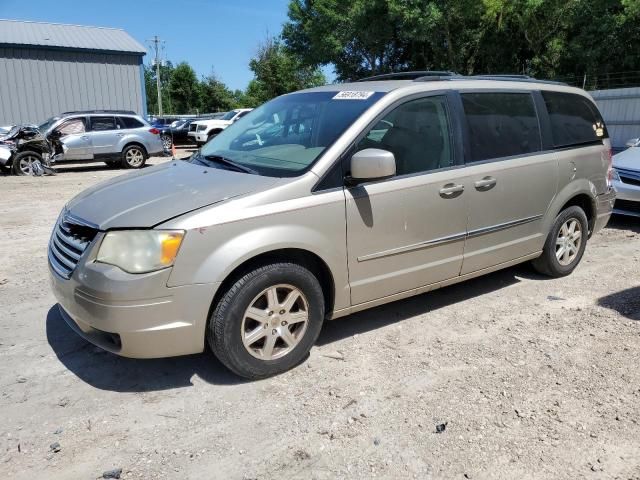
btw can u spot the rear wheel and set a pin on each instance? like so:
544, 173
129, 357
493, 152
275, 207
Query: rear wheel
565, 244
134, 156
267, 321
23, 163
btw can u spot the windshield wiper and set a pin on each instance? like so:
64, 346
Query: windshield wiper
229, 163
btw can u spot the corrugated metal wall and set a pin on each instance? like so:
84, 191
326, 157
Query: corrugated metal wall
38, 83
620, 108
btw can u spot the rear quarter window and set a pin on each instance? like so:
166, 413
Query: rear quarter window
130, 122
574, 120
500, 124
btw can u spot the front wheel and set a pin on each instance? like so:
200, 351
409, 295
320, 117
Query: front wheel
133, 157
565, 244
267, 321
23, 163
166, 142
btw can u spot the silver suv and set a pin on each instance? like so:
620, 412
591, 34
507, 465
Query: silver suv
117, 137
330, 201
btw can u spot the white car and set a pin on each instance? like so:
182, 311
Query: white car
626, 180
206, 129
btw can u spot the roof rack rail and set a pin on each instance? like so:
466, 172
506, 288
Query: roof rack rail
511, 78
75, 112
413, 75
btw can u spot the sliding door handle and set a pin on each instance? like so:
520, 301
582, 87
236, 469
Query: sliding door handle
451, 190
487, 183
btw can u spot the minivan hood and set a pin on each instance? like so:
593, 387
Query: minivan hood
629, 159
146, 198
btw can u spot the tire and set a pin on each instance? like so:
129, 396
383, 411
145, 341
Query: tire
560, 257
267, 353
134, 156
167, 142
21, 162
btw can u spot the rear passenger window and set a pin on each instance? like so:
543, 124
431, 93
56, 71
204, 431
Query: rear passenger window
501, 125
574, 119
103, 123
130, 122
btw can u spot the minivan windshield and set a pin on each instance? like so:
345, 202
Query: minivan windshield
285, 136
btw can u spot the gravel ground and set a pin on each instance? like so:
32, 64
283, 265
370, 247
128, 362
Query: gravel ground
507, 376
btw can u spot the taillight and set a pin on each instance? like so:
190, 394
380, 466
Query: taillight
155, 131
610, 168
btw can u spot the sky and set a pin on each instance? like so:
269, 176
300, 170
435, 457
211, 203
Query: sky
217, 36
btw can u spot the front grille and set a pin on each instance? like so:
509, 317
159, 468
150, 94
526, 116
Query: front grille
627, 206
192, 127
629, 180
69, 240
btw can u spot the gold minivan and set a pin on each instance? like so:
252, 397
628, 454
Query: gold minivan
326, 202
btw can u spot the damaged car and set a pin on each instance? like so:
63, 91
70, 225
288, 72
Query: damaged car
24, 150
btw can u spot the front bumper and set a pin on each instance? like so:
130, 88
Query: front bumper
604, 208
134, 316
627, 199
201, 137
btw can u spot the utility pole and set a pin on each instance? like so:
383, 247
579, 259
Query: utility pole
156, 46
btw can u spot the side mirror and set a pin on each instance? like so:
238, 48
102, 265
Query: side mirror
634, 142
372, 164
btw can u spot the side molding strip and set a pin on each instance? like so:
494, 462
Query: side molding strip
451, 238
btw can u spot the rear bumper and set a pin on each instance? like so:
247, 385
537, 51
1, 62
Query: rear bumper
604, 208
134, 316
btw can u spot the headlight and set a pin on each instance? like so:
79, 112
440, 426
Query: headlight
140, 251
615, 176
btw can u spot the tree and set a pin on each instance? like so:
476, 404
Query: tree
152, 91
538, 37
215, 96
277, 71
184, 89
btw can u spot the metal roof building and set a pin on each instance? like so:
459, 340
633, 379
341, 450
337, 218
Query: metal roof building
47, 68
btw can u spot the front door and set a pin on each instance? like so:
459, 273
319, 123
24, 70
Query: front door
73, 136
511, 182
408, 231
105, 134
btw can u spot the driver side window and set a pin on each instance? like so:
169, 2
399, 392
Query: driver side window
418, 134
71, 127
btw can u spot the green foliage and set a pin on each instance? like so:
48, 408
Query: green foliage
538, 37
184, 89
278, 72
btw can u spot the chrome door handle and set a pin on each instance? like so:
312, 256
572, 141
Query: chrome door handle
451, 190
85, 138
119, 134
487, 183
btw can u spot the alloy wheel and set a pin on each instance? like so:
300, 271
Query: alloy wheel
26, 164
275, 322
134, 157
568, 242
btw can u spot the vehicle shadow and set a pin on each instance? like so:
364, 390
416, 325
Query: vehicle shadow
626, 302
106, 371
623, 222
398, 311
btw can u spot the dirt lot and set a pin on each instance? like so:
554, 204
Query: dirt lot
533, 378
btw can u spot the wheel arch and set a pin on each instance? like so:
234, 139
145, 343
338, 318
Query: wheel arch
581, 193
134, 143
300, 256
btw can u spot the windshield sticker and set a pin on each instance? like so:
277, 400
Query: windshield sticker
347, 95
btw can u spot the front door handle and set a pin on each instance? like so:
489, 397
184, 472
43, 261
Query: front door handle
451, 190
85, 138
487, 183
119, 134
